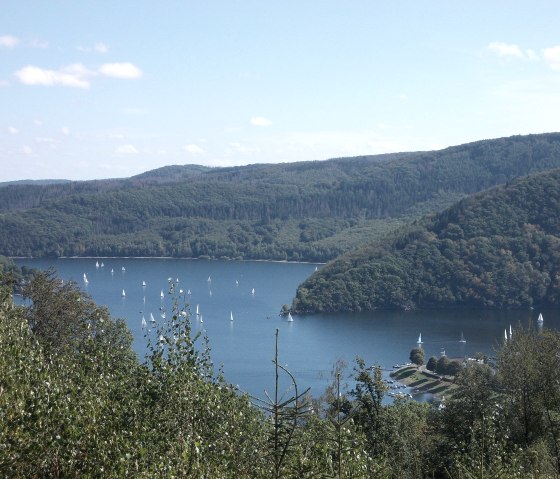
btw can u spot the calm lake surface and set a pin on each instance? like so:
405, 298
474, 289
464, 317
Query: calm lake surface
309, 346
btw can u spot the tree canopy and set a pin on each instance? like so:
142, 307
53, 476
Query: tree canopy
497, 249
311, 211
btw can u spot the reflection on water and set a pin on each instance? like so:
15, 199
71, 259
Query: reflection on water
254, 292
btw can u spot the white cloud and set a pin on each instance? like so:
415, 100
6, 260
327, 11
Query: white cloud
552, 57
36, 43
243, 149
75, 75
503, 49
27, 150
511, 50
42, 139
12, 130
8, 41
126, 150
260, 121
120, 70
71, 76
65, 130
101, 47
194, 149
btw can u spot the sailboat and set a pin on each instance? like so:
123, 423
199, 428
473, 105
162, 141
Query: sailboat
123, 269
201, 319
197, 314
462, 340
97, 264
231, 316
152, 319
419, 339
505, 335
209, 279
253, 291
143, 283
161, 295
102, 265
123, 294
290, 319
85, 279
541, 319
144, 322
510, 332
112, 270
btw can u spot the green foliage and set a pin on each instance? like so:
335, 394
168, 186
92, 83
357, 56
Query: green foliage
311, 211
498, 249
431, 364
417, 356
88, 408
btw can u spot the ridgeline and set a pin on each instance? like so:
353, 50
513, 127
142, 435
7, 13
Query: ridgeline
307, 211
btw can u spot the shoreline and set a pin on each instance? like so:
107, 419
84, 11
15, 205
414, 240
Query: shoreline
170, 257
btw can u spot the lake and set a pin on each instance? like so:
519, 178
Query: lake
309, 346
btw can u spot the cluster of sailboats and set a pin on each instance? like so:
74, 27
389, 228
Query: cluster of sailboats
152, 320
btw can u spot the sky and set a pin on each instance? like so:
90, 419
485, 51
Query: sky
110, 89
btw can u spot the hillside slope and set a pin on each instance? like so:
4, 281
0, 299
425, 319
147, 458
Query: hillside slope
310, 211
500, 248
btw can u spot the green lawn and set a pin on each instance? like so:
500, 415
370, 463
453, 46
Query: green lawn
420, 381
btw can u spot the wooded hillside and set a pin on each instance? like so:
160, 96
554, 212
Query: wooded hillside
500, 248
310, 211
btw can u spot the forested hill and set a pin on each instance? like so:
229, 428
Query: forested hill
500, 248
300, 211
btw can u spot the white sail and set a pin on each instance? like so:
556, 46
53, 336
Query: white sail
541, 319
123, 294
102, 265
510, 332
143, 283
419, 339
161, 295
144, 322
112, 270
123, 269
290, 319
201, 319
462, 340
152, 319
85, 279
253, 291
231, 316
209, 279
97, 264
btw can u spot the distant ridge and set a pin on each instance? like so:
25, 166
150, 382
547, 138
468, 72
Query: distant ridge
33, 182
304, 211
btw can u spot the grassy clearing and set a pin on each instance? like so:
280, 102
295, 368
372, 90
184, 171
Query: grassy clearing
422, 381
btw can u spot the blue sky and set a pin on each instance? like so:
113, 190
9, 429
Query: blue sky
104, 89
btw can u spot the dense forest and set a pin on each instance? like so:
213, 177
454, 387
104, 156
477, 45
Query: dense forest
499, 248
311, 211
76, 402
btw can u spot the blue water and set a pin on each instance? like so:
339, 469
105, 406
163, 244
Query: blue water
309, 346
